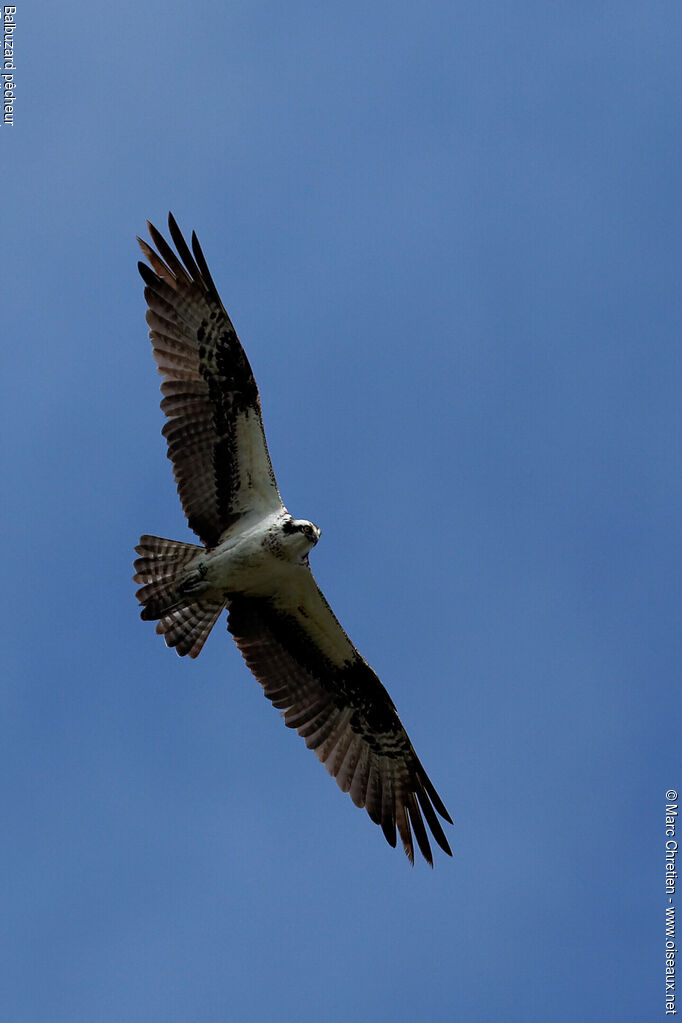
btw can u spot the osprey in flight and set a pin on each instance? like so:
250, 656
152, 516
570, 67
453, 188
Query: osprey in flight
254, 558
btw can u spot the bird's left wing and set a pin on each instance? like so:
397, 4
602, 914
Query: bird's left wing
214, 431
310, 670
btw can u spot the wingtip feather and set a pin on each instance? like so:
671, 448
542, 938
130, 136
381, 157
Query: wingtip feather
147, 275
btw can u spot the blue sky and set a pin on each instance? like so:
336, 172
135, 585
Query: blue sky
449, 237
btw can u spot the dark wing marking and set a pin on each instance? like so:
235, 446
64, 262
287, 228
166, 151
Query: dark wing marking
214, 430
310, 670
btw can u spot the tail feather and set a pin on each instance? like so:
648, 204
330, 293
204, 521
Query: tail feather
161, 557
187, 628
184, 621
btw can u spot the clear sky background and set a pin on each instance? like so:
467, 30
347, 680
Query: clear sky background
449, 236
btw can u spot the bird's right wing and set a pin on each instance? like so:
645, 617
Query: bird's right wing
214, 430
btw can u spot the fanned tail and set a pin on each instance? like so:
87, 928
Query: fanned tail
164, 568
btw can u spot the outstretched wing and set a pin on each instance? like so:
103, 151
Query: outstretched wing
311, 671
214, 430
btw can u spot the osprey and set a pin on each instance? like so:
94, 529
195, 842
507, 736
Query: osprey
254, 558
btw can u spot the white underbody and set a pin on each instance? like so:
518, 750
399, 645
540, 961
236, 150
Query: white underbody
253, 559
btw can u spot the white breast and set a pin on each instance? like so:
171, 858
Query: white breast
248, 560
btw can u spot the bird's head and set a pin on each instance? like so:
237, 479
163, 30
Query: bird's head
300, 536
